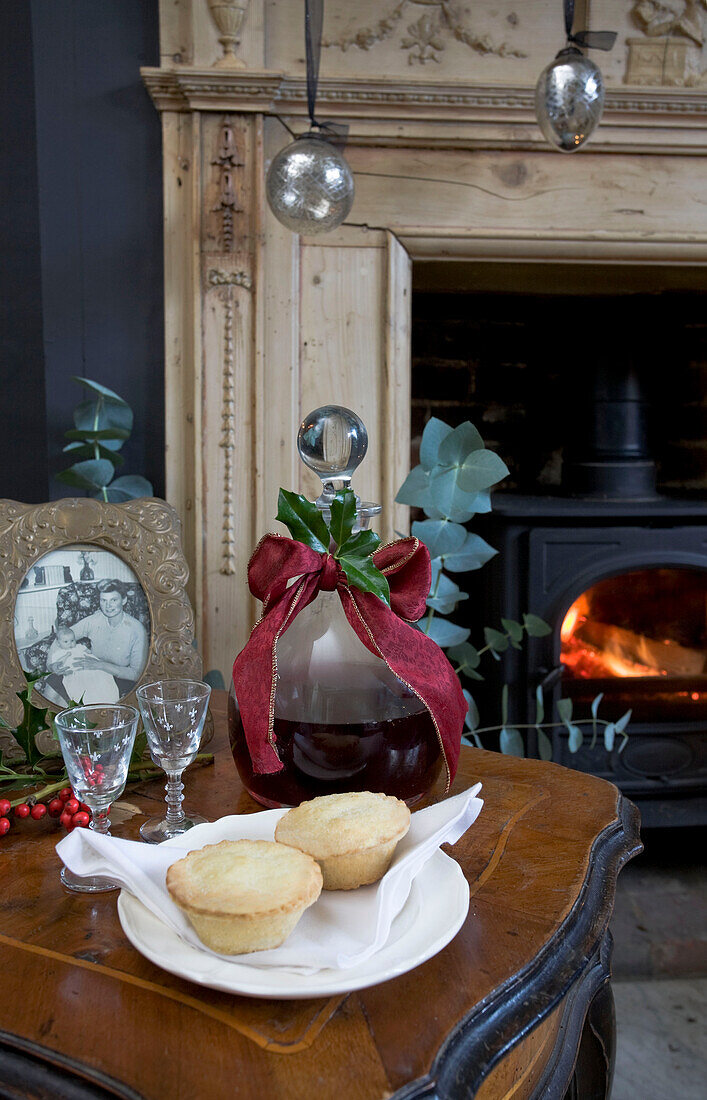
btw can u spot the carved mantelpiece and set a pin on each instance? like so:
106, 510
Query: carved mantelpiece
262, 326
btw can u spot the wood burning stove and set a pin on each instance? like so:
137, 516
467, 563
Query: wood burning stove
624, 586
581, 391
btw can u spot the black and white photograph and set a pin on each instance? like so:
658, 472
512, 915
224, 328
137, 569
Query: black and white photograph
82, 618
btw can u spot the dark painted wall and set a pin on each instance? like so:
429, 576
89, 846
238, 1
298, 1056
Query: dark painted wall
81, 225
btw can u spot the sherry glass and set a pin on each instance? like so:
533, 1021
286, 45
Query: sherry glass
173, 715
96, 743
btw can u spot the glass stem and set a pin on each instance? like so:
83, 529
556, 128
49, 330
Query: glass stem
100, 822
174, 788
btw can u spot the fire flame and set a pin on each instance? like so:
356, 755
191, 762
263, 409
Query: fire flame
592, 649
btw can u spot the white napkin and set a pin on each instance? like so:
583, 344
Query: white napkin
341, 929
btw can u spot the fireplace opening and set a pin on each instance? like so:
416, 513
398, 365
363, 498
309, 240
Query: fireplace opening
640, 639
591, 382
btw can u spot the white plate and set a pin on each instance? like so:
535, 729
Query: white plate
433, 914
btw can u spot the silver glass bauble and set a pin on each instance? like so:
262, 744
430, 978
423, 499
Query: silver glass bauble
310, 186
569, 100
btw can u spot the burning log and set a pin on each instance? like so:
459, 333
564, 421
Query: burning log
630, 654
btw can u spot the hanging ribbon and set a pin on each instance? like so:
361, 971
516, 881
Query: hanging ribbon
592, 40
335, 132
286, 576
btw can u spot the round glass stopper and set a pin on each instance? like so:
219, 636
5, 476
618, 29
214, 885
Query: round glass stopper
333, 442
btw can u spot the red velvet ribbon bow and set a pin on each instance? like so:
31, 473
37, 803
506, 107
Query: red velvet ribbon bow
411, 655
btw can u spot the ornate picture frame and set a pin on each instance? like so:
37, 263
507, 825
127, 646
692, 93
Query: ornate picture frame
137, 547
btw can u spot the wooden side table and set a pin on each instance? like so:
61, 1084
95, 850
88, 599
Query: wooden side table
517, 1005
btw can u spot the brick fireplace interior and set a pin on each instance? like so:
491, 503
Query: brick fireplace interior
620, 575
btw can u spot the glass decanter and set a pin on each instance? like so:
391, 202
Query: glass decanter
342, 721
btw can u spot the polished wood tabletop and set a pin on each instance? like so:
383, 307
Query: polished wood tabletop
517, 1005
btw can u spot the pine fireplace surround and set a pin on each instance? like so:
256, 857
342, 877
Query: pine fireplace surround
261, 326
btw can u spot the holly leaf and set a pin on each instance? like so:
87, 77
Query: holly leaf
303, 520
343, 516
363, 574
360, 545
34, 721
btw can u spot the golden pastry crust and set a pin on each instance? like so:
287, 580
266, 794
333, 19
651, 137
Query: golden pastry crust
352, 836
244, 895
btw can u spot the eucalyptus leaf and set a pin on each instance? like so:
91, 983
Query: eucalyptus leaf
513, 629
96, 387
88, 450
447, 495
459, 444
466, 656
103, 434
474, 553
472, 717
535, 626
445, 594
564, 711
609, 734
444, 633
94, 473
92, 416
481, 502
595, 704
343, 516
511, 742
539, 706
544, 746
576, 738
497, 641
481, 470
623, 721
129, 487
439, 536
434, 433
415, 487
303, 520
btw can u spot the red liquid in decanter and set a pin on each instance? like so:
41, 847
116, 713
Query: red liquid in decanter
399, 756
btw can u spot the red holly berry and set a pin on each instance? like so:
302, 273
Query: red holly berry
4, 807
22, 810
66, 820
85, 809
80, 820
56, 807
65, 794
4, 826
71, 806
38, 811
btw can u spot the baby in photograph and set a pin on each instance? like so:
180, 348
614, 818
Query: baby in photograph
80, 684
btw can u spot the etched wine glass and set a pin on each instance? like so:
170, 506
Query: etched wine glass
96, 743
173, 715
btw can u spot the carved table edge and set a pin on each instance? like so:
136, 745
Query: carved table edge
29, 1069
577, 955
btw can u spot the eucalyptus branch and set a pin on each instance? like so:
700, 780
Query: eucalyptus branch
451, 485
